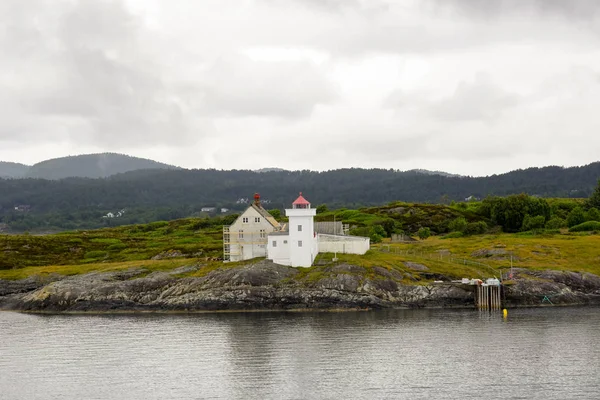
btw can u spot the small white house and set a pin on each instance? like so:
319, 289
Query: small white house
246, 238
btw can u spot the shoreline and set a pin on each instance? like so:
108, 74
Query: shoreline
267, 287
292, 311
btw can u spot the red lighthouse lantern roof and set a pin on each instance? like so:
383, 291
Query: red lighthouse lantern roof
300, 201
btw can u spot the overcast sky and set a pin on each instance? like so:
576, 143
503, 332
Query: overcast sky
464, 86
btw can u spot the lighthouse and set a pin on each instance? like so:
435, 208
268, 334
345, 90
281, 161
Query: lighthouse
303, 240
297, 243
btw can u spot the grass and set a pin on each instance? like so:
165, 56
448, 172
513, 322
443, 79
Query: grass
199, 242
566, 252
122, 244
67, 270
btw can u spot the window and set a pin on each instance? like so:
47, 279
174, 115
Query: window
299, 243
245, 220
241, 233
274, 243
285, 242
256, 219
263, 233
299, 228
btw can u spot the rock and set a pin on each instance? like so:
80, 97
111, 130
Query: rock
184, 269
388, 273
415, 266
267, 286
354, 269
168, 254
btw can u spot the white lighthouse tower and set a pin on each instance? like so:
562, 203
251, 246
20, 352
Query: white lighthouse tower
303, 239
297, 244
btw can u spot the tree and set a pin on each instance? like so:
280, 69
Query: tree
531, 223
424, 233
593, 214
556, 223
275, 213
575, 217
476, 228
322, 208
458, 225
594, 200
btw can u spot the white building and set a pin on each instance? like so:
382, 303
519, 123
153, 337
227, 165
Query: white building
300, 244
246, 238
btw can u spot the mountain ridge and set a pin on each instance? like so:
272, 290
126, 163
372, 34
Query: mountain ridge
95, 165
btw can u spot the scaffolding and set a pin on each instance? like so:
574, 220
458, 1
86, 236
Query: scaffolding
234, 241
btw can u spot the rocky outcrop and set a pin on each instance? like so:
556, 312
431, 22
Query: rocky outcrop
267, 286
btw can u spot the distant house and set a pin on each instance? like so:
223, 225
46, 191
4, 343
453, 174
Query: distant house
208, 209
472, 198
23, 208
119, 214
224, 210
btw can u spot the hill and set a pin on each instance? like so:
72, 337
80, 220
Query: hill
12, 170
164, 194
91, 166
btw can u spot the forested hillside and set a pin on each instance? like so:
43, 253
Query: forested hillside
165, 194
12, 170
91, 166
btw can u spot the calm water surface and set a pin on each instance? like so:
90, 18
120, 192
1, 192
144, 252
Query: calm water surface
551, 353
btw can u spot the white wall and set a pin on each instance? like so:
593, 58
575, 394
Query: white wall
343, 244
280, 253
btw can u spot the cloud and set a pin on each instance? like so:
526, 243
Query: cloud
479, 100
573, 9
239, 86
467, 86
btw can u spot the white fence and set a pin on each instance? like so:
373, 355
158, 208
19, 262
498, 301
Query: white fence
343, 244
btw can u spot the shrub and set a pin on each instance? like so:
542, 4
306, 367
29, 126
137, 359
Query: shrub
117, 247
532, 223
556, 223
424, 233
458, 225
593, 214
575, 217
322, 208
453, 235
586, 227
95, 254
476, 228
275, 213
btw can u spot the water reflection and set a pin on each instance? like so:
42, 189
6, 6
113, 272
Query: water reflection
535, 353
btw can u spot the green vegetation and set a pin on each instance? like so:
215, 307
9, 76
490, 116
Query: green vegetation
586, 227
424, 233
461, 231
80, 203
181, 238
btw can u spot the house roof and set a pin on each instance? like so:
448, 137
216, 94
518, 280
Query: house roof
300, 201
265, 214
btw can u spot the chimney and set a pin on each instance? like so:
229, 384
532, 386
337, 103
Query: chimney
257, 199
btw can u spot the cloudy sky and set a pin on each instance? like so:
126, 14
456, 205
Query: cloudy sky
465, 86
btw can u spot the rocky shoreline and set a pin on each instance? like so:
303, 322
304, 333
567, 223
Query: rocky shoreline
264, 286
